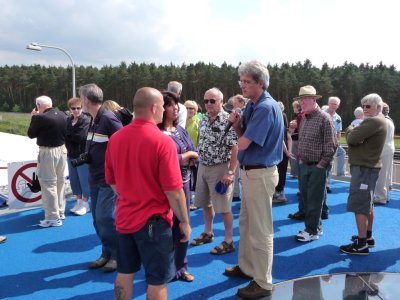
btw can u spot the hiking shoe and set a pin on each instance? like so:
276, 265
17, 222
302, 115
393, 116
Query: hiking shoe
82, 209
354, 248
370, 241
235, 271
297, 216
98, 263
50, 223
76, 206
110, 266
304, 236
253, 291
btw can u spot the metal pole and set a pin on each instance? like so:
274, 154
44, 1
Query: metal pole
36, 46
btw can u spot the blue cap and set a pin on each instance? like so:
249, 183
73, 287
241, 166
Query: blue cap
221, 188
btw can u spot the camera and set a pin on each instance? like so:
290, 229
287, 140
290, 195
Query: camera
84, 158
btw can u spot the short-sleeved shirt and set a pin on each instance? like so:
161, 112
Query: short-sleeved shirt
143, 163
214, 145
262, 123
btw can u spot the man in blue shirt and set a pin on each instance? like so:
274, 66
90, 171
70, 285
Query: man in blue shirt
260, 144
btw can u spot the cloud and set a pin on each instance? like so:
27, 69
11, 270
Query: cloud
163, 31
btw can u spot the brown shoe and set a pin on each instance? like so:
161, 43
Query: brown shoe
235, 272
98, 263
253, 291
110, 266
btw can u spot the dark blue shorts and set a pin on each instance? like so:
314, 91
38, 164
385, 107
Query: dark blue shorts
151, 246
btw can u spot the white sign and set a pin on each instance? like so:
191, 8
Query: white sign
19, 194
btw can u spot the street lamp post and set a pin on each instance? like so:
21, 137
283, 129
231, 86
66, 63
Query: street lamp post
38, 47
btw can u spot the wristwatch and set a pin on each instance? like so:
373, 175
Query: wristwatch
230, 172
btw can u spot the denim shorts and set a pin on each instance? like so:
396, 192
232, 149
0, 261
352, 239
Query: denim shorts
151, 246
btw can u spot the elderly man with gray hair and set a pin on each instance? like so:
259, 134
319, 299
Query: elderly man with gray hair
176, 87
49, 127
365, 147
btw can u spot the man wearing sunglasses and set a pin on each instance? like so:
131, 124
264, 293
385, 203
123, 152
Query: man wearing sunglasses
365, 142
49, 127
218, 160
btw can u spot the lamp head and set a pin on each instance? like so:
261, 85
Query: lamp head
34, 46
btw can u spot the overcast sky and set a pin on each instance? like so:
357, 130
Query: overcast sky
107, 32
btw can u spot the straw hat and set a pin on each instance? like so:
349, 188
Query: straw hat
307, 91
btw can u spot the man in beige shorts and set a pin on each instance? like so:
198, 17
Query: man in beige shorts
218, 160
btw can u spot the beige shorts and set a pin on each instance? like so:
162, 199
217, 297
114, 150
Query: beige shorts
206, 196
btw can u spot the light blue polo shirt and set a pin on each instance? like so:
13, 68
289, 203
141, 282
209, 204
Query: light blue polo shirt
263, 125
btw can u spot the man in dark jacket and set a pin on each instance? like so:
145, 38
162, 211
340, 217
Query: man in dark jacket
49, 127
103, 198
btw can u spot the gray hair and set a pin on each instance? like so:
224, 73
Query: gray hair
175, 87
334, 99
358, 111
44, 100
256, 70
92, 92
372, 99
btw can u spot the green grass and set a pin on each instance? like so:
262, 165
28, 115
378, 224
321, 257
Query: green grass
15, 123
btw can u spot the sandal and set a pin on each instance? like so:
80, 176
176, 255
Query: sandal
204, 238
186, 276
223, 248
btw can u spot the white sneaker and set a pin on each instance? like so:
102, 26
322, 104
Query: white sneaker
76, 206
50, 223
83, 209
304, 236
62, 216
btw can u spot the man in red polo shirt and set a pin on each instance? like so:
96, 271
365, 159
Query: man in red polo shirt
142, 167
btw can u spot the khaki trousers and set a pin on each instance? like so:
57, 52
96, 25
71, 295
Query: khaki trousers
255, 224
50, 171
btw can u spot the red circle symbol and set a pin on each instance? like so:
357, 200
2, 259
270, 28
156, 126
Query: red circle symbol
21, 173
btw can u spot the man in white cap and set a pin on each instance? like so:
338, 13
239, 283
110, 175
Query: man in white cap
317, 145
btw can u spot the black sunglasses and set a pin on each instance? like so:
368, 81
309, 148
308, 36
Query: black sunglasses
212, 101
367, 106
76, 108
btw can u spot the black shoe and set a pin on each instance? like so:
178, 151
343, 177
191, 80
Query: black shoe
328, 190
297, 216
236, 199
370, 241
324, 215
355, 248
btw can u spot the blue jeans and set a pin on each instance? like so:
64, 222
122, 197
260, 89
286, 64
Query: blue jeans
78, 178
313, 194
103, 211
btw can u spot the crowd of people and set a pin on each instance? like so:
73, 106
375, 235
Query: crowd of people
141, 175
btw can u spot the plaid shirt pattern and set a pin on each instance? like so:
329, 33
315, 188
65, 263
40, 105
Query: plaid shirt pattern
317, 138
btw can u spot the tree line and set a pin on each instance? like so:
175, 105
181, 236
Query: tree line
20, 85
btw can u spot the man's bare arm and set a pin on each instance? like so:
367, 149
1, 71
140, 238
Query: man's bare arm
177, 202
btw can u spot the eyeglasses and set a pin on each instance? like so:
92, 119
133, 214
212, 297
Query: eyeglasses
212, 101
245, 82
367, 106
76, 108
